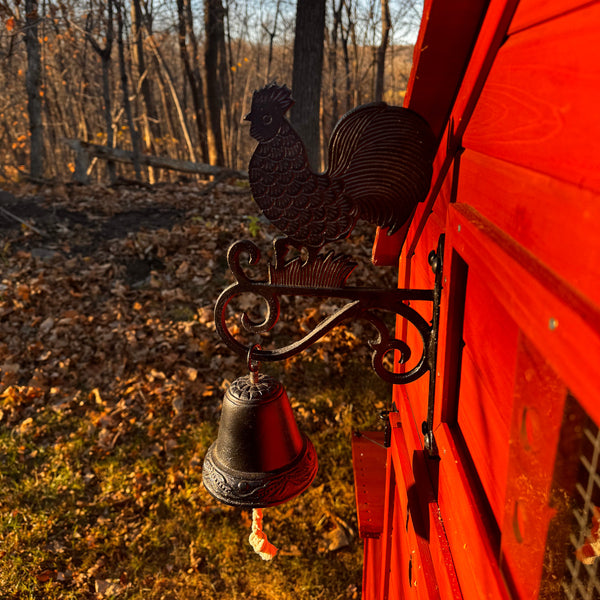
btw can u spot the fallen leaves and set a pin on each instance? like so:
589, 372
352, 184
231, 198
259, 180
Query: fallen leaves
111, 378
109, 587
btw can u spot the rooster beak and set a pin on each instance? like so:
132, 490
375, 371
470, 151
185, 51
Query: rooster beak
248, 117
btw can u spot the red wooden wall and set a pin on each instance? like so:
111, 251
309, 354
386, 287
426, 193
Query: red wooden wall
512, 89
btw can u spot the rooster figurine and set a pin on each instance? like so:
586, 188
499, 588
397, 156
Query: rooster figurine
379, 169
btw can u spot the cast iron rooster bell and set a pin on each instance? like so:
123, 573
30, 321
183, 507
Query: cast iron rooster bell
260, 458
380, 165
379, 169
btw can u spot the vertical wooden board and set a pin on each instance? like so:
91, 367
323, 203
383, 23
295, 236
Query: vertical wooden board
442, 557
397, 567
422, 581
421, 277
444, 198
401, 552
486, 386
536, 422
533, 12
396, 512
538, 107
412, 430
416, 392
554, 220
466, 526
428, 221
484, 429
368, 463
416, 477
388, 525
490, 337
450, 341
413, 525
371, 569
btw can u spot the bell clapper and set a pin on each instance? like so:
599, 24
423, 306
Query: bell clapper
258, 538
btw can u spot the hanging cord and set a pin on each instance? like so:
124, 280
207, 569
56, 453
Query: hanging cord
258, 538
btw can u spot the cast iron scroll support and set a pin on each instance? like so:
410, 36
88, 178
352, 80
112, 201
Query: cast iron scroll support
324, 276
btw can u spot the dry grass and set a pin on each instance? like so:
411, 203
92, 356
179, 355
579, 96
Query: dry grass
109, 399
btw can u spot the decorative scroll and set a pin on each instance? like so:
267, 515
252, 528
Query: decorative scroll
324, 276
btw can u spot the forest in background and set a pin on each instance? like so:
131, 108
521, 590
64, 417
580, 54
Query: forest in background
111, 371
174, 78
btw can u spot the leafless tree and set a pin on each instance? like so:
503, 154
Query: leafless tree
33, 82
307, 73
140, 25
189, 53
105, 57
381, 50
133, 132
214, 14
144, 73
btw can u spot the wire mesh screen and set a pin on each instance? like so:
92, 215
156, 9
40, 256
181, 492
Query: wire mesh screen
582, 574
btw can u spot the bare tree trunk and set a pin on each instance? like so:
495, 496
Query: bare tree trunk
135, 138
307, 74
149, 116
232, 106
170, 127
272, 35
180, 113
333, 63
380, 57
192, 72
357, 96
105, 59
33, 84
215, 33
223, 72
345, 37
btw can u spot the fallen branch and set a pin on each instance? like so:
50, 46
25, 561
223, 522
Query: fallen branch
161, 162
19, 220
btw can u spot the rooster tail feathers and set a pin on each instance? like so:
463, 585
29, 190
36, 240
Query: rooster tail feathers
347, 133
279, 95
384, 156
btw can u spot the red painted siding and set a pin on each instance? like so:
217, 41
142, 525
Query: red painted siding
516, 191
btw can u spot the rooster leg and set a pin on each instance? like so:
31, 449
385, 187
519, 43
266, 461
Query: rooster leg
281, 246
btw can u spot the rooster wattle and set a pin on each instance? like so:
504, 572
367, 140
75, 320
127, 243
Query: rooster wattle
379, 168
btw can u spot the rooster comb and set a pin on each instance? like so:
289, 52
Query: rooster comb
279, 95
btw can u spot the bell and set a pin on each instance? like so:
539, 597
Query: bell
260, 458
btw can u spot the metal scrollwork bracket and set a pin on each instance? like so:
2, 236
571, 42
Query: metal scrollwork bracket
325, 276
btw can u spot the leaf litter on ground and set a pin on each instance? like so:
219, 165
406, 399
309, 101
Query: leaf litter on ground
111, 379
